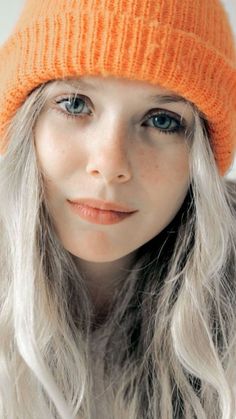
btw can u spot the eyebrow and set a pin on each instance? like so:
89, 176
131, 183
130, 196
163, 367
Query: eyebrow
159, 98
168, 99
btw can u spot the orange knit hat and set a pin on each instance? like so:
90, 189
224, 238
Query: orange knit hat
186, 46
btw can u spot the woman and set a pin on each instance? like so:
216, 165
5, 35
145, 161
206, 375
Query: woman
117, 127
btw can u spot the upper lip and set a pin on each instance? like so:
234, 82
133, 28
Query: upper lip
103, 205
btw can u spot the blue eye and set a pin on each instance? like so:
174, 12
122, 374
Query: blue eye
74, 106
164, 122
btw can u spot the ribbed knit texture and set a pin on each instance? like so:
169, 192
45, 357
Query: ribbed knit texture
186, 46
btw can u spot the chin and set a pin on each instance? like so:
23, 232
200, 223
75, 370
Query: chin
96, 257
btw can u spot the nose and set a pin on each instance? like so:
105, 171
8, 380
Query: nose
108, 156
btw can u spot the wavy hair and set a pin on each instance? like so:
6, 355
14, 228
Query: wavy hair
167, 347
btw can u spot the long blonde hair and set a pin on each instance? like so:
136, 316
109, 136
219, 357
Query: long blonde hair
170, 347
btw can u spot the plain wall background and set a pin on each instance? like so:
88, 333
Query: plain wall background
10, 9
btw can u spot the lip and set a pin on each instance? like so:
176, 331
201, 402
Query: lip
100, 215
103, 205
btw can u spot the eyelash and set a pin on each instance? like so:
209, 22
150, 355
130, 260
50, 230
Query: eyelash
151, 114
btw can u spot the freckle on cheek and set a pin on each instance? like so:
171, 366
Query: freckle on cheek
150, 170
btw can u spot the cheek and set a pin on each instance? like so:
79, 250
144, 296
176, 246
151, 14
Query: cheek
163, 183
56, 151
162, 166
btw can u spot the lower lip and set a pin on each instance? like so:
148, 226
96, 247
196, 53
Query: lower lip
97, 216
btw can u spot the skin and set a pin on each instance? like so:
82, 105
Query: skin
112, 152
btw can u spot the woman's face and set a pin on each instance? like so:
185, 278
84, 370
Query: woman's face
107, 145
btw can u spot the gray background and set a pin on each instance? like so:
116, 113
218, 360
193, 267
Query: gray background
9, 10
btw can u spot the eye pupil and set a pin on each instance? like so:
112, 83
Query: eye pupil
75, 105
162, 120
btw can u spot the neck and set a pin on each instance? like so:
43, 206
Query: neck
103, 279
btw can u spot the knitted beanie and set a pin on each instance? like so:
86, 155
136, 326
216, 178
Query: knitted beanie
186, 46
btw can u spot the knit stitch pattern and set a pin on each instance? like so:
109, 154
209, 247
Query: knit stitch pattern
186, 46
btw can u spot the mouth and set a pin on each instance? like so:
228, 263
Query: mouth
98, 215
103, 205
